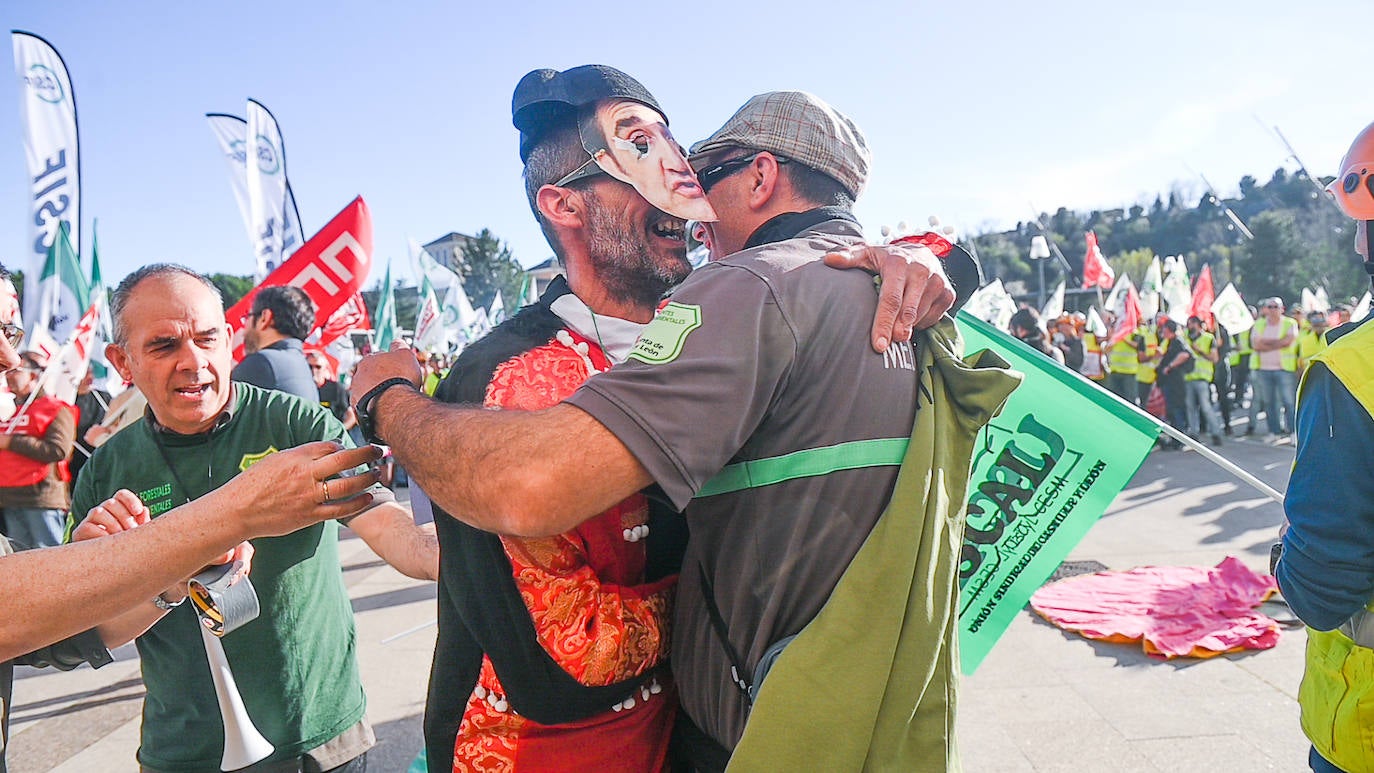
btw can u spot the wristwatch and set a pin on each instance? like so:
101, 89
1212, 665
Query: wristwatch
165, 605
367, 417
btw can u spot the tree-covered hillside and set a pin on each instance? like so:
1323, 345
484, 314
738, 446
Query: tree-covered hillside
1300, 240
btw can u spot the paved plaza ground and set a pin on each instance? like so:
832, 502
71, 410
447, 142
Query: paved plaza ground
1044, 700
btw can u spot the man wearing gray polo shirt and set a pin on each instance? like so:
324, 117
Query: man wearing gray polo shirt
738, 402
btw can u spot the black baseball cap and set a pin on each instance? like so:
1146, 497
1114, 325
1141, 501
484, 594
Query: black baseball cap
547, 98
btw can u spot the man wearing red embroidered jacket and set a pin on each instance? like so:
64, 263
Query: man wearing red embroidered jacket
550, 650
584, 133
35, 444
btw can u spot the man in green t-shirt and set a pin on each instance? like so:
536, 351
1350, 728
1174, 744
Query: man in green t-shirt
294, 665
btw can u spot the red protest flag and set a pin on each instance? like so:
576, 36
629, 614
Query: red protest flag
1096, 272
330, 267
352, 315
1203, 297
1128, 319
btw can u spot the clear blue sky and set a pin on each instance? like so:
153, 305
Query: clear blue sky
972, 109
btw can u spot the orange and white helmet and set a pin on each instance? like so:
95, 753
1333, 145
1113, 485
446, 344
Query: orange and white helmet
1353, 188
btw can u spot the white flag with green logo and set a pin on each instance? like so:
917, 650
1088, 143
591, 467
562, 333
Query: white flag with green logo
1176, 292
385, 317
47, 115
456, 313
62, 296
1150, 289
104, 333
529, 290
231, 132
266, 187
496, 312
429, 325
1230, 310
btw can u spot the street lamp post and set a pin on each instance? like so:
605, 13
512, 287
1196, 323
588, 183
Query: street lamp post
1039, 252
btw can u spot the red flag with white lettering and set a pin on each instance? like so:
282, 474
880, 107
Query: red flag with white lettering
1096, 272
330, 267
352, 315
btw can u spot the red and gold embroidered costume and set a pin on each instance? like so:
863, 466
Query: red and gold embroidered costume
591, 611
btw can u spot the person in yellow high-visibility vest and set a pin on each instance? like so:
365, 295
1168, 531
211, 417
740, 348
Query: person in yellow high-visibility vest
1311, 340
1198, 382
1122, 363
1147, 354
1273, 367
1326, 568
1240, 365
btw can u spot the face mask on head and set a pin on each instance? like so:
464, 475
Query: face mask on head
630, 141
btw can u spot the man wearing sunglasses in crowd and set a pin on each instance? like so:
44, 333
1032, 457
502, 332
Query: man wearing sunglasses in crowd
54, 597
755, 356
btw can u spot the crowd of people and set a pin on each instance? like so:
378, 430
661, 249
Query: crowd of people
588, 607
1198, 377
581, 624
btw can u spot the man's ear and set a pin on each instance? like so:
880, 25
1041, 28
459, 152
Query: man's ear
265, 320
763, 180
117, 357
560, 207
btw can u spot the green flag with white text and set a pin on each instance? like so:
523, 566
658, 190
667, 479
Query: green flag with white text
1046, 469
385, 316
104, 334
63, 295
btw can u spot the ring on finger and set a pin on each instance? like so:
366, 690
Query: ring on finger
324, 486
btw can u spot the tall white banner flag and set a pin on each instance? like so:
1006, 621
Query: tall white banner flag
231, 132
47, 113
266, 187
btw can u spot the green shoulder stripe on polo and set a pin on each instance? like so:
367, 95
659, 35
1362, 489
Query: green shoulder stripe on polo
806, 463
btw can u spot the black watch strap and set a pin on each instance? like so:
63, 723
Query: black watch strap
367, 416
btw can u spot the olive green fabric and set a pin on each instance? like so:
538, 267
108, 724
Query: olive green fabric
870, 684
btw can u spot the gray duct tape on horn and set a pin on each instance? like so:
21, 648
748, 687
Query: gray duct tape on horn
224, 605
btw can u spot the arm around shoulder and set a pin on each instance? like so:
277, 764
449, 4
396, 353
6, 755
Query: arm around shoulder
524, 473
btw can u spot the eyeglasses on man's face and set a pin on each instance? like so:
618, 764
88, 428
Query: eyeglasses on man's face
709, 176
13, 333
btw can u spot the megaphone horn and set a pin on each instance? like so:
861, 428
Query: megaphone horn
243, 744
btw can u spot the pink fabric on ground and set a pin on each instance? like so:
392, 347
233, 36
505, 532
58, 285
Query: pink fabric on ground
1173, 610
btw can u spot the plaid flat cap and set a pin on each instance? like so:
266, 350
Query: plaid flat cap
798, 126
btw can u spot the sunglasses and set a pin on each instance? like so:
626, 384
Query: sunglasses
13, 334
589, 168
709, 176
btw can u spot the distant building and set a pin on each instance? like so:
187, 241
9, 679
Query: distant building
545, 272
448, 249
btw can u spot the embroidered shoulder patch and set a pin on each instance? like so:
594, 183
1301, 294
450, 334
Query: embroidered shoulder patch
664, 337
249, 460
